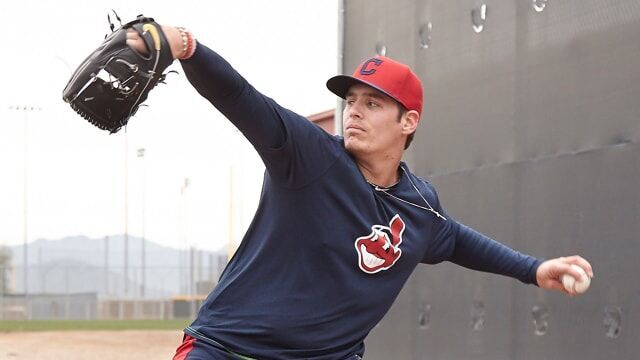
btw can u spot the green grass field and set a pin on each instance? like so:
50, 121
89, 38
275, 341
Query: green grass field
58, 325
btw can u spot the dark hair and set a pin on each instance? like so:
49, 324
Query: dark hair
401, 111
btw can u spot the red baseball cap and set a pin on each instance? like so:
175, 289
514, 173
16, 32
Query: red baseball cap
385, 75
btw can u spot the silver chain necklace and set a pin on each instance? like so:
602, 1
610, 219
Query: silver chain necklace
386, 192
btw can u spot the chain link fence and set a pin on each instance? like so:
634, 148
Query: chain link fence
77, 292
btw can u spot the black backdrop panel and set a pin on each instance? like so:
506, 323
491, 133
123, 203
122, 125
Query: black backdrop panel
530, 133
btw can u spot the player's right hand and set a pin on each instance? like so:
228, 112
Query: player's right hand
549, 273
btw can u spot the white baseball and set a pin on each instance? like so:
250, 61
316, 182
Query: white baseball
579, 286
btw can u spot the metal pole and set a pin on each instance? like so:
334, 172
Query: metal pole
40, 272
3, 286
24, 222
210, 277
126, 215
25, 233
143, 255
2, 270
106, 266
339, 103
198, 269
230, 248
144, 240
67, 307
185, 225
191, 281
189, 249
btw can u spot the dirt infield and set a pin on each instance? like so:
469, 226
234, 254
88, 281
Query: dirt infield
89, 345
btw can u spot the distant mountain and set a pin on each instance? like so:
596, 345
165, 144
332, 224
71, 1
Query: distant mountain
83, 264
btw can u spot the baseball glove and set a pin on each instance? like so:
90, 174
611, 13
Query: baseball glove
112, 82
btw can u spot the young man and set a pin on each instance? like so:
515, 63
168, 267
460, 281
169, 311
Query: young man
341, 223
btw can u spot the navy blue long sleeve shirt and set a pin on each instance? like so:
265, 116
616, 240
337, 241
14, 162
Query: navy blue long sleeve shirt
326, 253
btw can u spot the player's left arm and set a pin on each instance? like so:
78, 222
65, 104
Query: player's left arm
479, 252
455, 242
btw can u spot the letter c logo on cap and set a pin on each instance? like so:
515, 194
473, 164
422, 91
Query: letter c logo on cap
365, 70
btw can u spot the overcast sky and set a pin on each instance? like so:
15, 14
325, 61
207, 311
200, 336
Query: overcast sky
75, 172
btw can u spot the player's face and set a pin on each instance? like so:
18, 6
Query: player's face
370, 122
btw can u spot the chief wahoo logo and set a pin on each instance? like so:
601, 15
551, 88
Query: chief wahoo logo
381, 249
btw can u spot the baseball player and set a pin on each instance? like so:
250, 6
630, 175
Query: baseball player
341, 224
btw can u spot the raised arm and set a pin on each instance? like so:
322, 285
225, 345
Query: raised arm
294, 150
257, 116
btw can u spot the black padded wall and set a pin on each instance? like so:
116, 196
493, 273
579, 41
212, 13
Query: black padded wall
530, 133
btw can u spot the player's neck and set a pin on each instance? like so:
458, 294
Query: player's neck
381, 173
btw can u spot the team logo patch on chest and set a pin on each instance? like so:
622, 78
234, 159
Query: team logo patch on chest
381, 249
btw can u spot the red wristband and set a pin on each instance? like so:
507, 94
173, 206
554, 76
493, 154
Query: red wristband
190, 44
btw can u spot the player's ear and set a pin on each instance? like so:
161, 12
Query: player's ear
410, 122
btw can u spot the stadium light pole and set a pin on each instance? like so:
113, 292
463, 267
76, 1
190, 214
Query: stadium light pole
25, 235
126, 215
183, 192
143, 247
106, 266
